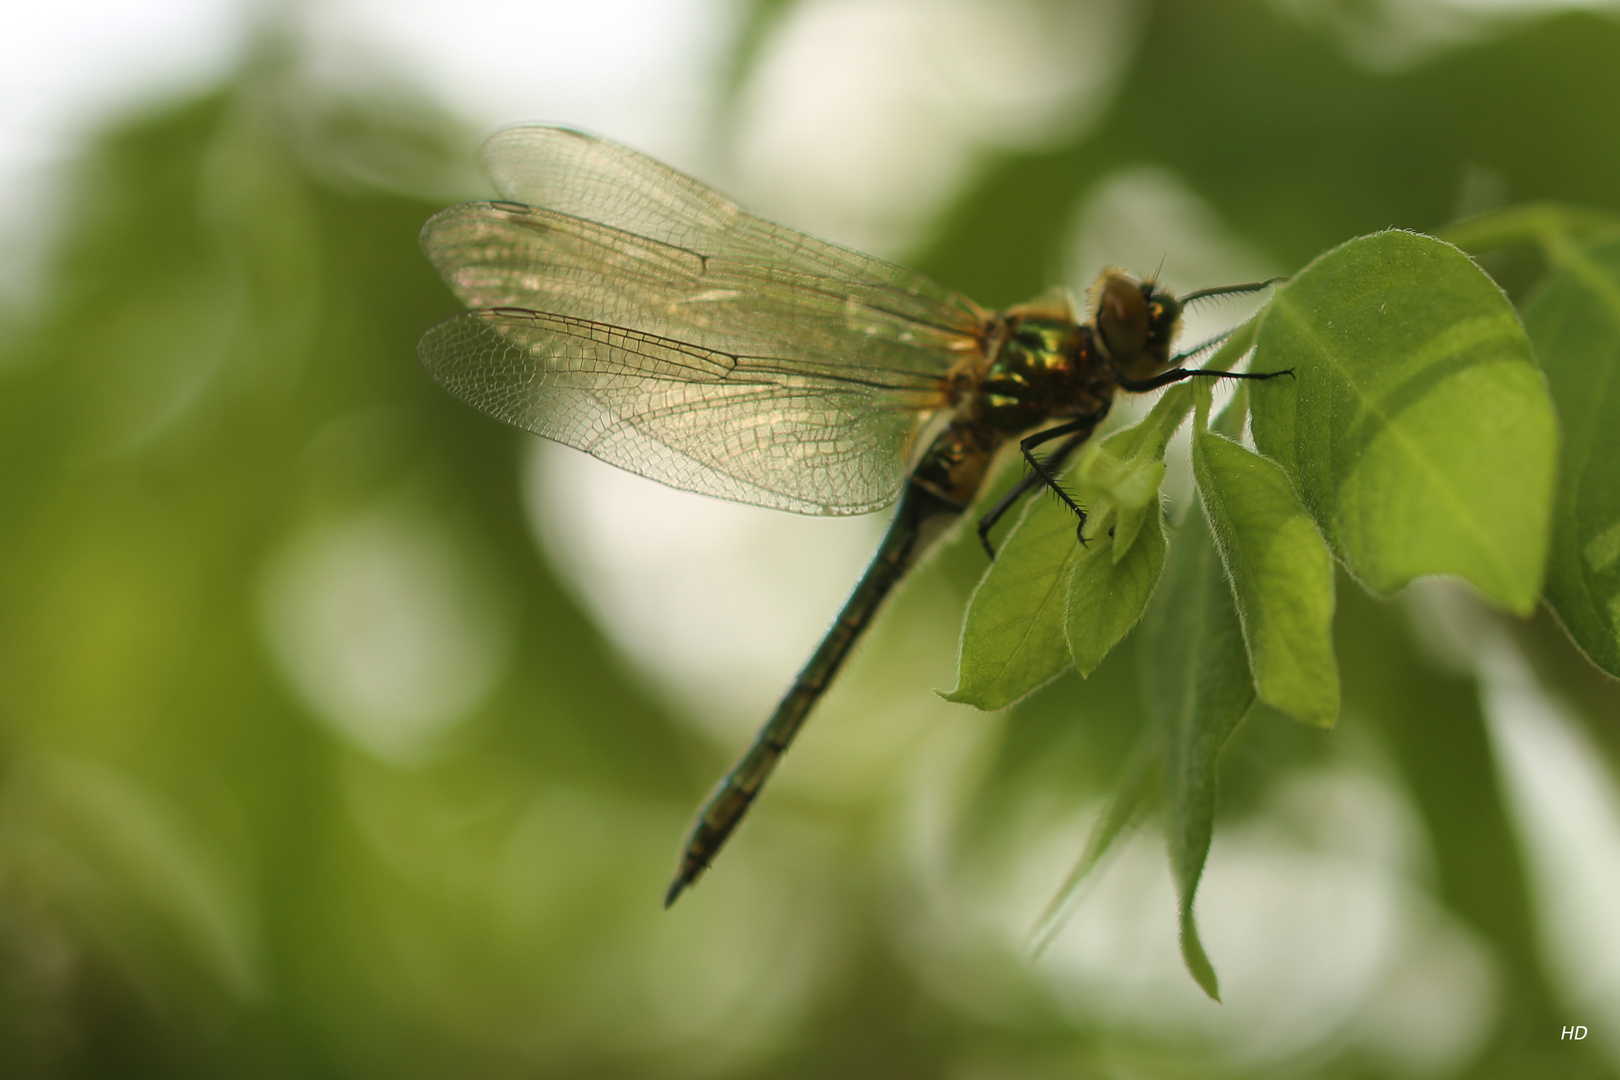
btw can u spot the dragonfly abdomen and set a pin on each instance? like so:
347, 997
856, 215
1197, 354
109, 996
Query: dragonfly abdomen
956, 462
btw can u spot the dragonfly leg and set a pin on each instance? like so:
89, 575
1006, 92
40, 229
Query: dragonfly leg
1026, 483
1175, 375
1207, 345
1080, 425
1229, 290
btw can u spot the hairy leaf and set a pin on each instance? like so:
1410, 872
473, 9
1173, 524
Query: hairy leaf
1196, 682
1045, 588
1574, 322
1280, 572
1131, 793
1107, 597
1418, 431
1012, 637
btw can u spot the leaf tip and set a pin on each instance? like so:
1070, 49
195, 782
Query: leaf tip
1197, 961
1323, 715
1524, 609
1324, 721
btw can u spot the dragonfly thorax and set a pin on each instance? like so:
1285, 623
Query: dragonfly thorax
1046, 366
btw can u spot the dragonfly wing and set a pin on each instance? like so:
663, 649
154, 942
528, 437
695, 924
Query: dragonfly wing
632, 312
508, 255
586, 177
591, 178
792, 437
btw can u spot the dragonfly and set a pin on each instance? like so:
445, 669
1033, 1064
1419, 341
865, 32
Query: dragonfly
627, 310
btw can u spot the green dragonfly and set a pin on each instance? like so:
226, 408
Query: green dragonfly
627, 310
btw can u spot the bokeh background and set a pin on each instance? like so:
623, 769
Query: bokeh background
346, 733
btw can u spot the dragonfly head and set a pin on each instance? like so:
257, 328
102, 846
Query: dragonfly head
1134, 321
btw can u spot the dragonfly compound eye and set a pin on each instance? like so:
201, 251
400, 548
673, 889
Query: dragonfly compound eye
1164, 319
1122, 318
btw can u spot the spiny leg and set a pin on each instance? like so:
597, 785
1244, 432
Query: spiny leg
1027, 483
1205, 294
1080, 429
1079, 425
1228, 290
1207, 345
1175, 375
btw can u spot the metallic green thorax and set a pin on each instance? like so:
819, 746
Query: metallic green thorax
1041, 372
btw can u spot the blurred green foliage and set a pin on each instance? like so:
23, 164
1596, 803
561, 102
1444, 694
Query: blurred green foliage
1572, 322
201, 876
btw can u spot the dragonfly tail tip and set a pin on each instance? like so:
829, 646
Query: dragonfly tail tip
691, 869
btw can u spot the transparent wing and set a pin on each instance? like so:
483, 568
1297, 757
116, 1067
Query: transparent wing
507, 255
641, 317
586, 177
793, 437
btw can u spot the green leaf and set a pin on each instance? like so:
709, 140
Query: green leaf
1116, 469
1418, 431
1119, 477
1130, 794
1574, 322
1280, 572
1196, 683
1230, 422
1107, 598
1047, 599
1553, 227
1045, 589
1012, 637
